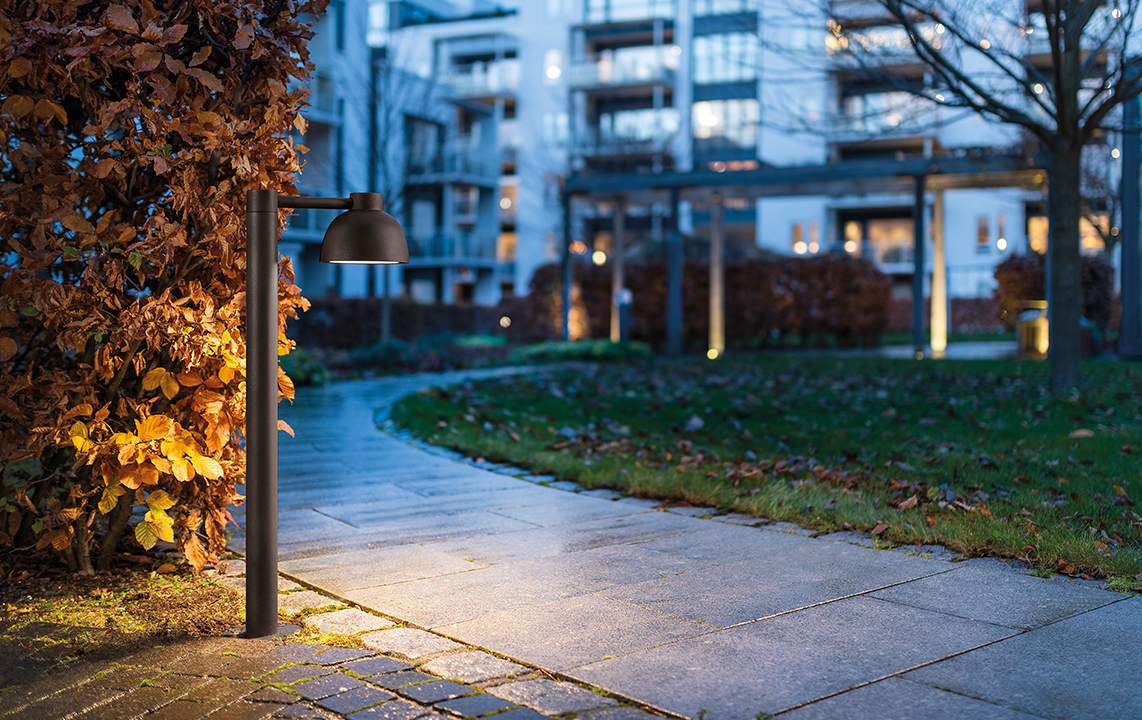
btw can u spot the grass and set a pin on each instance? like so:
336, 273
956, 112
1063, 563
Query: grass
976, 456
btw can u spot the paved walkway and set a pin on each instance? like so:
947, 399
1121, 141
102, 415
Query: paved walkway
692, 616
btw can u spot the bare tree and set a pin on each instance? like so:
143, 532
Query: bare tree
1059, 69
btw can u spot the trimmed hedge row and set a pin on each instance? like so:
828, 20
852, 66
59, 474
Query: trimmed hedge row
830, 297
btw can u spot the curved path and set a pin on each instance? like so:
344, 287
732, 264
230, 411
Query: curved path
677, 612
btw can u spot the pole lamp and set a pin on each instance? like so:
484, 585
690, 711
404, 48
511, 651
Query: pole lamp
363, 235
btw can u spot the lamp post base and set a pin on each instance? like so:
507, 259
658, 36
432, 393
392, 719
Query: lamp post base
284, 630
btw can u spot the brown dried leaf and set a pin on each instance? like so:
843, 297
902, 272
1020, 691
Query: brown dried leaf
18, 105
909, 503
19, 67
1082, 433
200, 56
205, 78
244, 37
46, 109
120, 18
8, 348
880, 529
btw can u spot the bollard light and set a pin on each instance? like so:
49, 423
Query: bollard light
364, 234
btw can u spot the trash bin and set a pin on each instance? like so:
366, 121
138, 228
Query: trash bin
1032, 328
625, 299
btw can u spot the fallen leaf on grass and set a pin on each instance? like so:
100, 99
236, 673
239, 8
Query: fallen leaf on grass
1064, 567
165, 568
1082, 433
909, 503
931, 520
1128, 449
514, 436
880, 529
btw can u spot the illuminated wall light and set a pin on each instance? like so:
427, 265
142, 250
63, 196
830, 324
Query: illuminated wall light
553, 73
850, 246
505, 203
505, 321
578, 247
1116, 13
1038, 88
1114, 231
1029, 30
599, 257
940, 98
712, 353
1001, 243
800, 247
675, 50
814, 247
985, 44
1114, 153
940, 29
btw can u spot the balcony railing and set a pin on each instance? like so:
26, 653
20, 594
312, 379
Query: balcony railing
597, 142
454, 246
876, 114
456, 161
485, 79
608, 70
878, 45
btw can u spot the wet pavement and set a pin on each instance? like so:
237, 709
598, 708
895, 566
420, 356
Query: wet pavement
724, 618
480, 591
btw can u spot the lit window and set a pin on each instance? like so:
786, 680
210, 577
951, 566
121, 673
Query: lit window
1037, 229
983, 234
814, 237
552, 65
799, 245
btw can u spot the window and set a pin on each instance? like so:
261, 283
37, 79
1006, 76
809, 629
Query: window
731, 57
338, 8
422, 138
722, 7
983, 235
637, 125
1037, 230
725, 124
814, 237
555, 128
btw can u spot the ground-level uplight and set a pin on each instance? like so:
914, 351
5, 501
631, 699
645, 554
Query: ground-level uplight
365, 235
712, 353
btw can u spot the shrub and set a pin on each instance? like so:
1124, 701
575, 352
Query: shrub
603, 350
131, 133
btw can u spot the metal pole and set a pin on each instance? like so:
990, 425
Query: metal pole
717, 278
261, 413
673, 280
1130, 327
617, 278
568, 278
918, 269
386, 305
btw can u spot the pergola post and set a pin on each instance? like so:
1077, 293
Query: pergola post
918, 343
567, 269
939, 310
617, 279
1130, 327
673, 280
717, 278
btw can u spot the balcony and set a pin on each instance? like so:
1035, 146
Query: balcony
458, 164
889, 113
485, 80
612, 11
652, 66
876, 45
453, 249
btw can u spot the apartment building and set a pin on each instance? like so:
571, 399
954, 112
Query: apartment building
496, 105
376, 125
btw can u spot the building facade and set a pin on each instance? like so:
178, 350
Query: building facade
484, 109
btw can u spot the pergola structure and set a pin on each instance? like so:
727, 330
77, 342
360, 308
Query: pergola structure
911, 175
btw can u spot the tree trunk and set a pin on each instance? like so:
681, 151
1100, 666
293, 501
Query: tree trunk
116, 525
1064, 274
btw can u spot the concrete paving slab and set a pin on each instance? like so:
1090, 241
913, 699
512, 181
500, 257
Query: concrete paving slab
378, 566
418, 530
1083, 667
719, 544
995, 595
463, 596
544, 542
304, 600
567, 632
739, 592
896, 699
408, 642
784, 661
470, 667
349, 621
551, 697
373, 513
571, 509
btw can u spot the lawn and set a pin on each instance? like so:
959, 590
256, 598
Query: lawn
976, 456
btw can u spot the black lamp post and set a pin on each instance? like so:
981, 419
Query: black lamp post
364, 235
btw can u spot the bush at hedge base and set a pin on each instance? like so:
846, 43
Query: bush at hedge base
827, 298
131, 133
1020, 279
